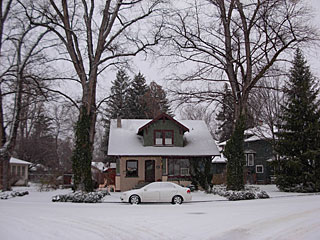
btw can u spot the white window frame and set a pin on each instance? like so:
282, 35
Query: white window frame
184, 172
248, 162
257, 166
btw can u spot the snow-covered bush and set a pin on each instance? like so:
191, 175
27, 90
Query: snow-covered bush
309, 187
250, 192
11, 194
81, 197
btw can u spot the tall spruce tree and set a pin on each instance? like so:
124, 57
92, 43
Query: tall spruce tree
118, 101
226, 115
157, 101
299, 131
117, 106
234, 152
137, 105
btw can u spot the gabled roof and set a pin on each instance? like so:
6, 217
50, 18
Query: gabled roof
164, 117
125, 141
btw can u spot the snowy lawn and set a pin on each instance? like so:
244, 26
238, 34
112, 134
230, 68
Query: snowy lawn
283, 216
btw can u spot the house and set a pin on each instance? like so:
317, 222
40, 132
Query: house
19, 172
259, 155
159, 149
104, 174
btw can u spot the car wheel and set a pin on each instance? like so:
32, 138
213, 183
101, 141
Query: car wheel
134, 199
177, 200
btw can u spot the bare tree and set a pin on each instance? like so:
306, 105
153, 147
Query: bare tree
265, 104
200, 112
22, 50
235, 41
96, 36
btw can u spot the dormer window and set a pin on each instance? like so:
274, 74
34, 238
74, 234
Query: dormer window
163, 137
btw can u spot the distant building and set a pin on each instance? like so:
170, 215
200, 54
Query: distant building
19, 171
259, 155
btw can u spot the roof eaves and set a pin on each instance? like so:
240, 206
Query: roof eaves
163, 115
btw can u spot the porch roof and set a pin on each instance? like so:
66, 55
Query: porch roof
18, 161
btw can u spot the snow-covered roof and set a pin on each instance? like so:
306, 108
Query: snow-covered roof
262, 132
220, 159
259, 133
125, 141
99, 165
18, 161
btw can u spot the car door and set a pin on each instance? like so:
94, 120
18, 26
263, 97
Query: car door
168, 191
151, 193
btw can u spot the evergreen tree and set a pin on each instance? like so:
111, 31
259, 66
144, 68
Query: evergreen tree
299, 131
157, 102
117, 106
234, 152
118, 101
137, 106
226, 115
201, 173
81, 156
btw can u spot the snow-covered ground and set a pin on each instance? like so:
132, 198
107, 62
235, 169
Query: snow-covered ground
283, 216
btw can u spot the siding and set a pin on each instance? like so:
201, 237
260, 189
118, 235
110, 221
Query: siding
264, 152
148, 133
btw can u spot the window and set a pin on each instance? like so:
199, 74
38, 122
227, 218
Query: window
184, 172
250, 159
13, 170
159, 138
23, 171
132, 168
259, 169
18, 171
168, 137
163, 137
178, 167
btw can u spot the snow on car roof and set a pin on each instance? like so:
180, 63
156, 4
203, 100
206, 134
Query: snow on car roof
125, 141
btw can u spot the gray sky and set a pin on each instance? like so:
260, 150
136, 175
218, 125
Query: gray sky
153, 71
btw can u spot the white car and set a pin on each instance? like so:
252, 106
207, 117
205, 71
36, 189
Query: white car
158, 192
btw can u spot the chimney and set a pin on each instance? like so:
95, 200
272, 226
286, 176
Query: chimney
118, 122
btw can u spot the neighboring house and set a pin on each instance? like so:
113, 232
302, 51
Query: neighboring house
19, 172
219, 170
158, 149
104, 174
259, 155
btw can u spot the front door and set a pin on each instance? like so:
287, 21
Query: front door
149, 170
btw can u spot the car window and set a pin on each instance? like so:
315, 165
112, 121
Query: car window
153, 186
167, 185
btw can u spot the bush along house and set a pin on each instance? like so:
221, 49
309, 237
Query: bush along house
157, 149
259, 155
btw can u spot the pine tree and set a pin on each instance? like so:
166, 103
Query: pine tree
226, 115
117, 105
299, 131
137, 106
118, 101
234, 152
157, 101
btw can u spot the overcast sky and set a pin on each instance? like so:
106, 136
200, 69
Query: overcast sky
153, 71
